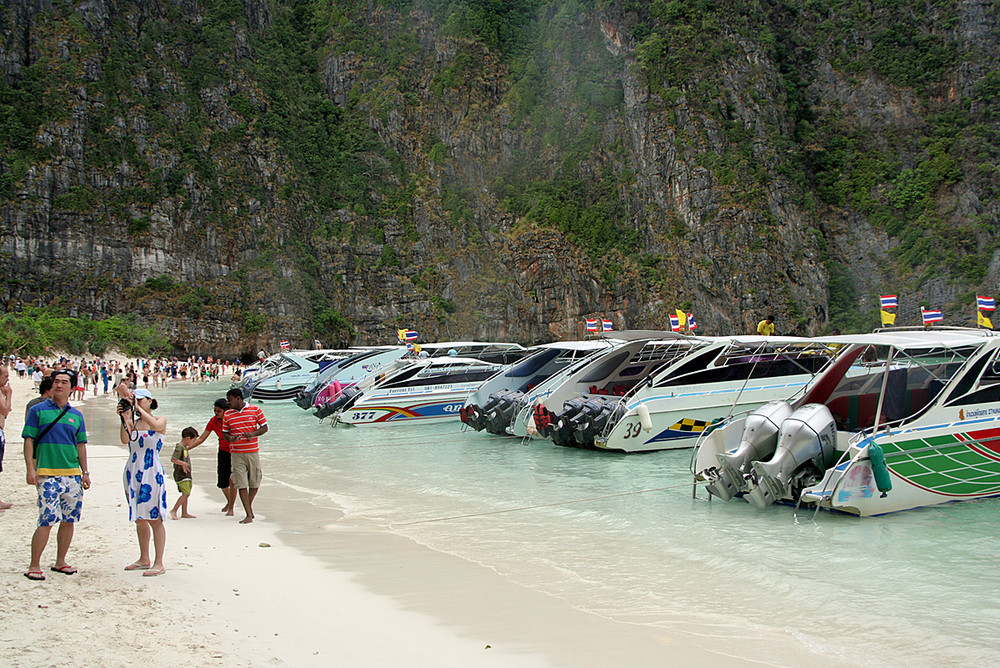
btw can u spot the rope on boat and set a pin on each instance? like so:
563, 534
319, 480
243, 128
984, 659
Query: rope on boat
542, 505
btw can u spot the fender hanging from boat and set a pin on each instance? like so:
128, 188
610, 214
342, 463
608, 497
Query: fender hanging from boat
879, 468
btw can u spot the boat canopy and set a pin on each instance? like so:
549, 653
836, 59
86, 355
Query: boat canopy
903, 339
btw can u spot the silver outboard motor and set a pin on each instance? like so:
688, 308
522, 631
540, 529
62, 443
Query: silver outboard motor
760, 440
808, 435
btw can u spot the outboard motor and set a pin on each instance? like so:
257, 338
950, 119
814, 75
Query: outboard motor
471, 415
338, 404
562, 424
759, 441
592, 420
582, 424
498, 418
304, 399
806, 448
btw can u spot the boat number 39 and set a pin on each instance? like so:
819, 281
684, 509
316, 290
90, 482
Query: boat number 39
632, 430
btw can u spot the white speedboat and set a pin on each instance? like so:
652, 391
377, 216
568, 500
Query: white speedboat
284, 375
673, 406
494, 405
585, 402
345, 373
423, 389
901, 419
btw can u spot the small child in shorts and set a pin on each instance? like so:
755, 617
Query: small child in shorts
182, 470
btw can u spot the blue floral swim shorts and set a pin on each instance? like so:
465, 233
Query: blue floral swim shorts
60, 499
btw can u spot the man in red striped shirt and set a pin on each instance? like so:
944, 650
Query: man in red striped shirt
241, 425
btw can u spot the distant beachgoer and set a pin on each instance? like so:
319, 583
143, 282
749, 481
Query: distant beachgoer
241, 425
6, 392
145, 483
224, 464
766, 326
36, 376
55, 459
44, 391
181, 460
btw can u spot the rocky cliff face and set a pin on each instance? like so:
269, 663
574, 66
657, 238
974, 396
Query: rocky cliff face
243, 172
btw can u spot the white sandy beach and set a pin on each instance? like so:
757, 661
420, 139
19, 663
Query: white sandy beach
243, 594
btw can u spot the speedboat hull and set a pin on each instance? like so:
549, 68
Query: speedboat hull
678, 418
437, 403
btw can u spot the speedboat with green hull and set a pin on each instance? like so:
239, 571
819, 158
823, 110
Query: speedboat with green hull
901, 419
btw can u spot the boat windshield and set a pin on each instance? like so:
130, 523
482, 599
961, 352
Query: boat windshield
912, 379
740, 361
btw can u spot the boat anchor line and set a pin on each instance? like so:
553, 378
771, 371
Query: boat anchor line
542, 505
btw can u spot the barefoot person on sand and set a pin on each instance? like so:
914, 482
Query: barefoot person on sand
5, 394
145, 483
224, 464
241, 425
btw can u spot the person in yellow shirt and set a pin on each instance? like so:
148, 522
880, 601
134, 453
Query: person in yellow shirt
766, 326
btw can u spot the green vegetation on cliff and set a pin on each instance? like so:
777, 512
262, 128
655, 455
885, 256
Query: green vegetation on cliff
36, 331
325, 168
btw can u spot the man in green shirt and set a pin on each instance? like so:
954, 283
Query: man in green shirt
55, 456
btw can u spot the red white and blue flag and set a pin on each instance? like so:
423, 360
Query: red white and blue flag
406, 335
675, 323
607, 325
692, 325
284, 345
591, 325
986, 303
931, 315
889, 301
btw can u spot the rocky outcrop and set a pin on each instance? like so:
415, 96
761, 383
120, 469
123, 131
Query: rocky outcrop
481, 171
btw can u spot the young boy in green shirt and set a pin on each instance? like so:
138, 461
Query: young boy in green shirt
181, 460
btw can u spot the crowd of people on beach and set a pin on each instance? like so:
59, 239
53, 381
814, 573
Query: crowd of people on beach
55, 441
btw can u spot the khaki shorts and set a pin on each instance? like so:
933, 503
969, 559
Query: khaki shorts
246, 470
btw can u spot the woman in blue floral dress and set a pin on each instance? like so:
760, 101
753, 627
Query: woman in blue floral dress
145, 483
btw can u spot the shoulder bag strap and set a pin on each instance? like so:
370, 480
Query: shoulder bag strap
45, 430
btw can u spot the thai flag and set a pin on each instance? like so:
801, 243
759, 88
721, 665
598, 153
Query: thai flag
591, 325
692, 325
675, 323
986, 303
607, 325
283, 344
889, 301
410, 335
931, 316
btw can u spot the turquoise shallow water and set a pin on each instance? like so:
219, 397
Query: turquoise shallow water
621, 536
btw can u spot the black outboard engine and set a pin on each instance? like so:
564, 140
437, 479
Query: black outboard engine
304, 399
338, 404
563, 426
497, 418
589, 422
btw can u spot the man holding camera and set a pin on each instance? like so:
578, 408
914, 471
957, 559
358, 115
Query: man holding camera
55, 456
